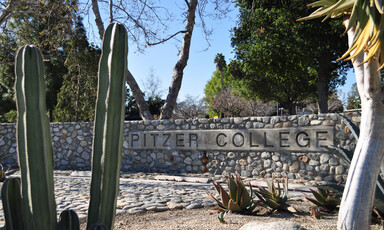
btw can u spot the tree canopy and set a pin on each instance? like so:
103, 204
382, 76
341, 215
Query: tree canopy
282, 59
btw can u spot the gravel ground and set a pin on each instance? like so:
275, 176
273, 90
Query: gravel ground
206, 218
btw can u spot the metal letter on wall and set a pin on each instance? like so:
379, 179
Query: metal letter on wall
293, 139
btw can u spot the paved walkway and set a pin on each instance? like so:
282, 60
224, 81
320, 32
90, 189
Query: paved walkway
141, 192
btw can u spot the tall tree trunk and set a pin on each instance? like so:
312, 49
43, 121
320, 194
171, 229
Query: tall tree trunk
139, 96
356, 205
322, 84
136, 92
98, 20
167, 109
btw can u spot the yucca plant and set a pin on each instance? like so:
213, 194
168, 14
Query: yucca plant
237, 200
275, 198
347, 156
364, 26
325, 199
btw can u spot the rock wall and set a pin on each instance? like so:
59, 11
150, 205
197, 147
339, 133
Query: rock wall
216, 146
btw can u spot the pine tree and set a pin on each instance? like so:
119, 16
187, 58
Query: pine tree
77, 96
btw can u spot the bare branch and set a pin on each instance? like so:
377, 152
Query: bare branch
166, 39
110, 11
186, 2
99, 22
7, 11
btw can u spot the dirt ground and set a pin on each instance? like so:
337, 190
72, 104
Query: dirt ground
206, 218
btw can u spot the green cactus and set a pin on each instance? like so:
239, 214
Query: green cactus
68, 220
12, 204
30, 204
97, 227
108, 128
34, 141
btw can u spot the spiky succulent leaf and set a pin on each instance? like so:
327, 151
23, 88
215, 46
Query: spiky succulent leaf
319, 197
245, 200
352, 127
234, 206
342, 153
232, 188
366, 16
223, 195
219, 203
221, 217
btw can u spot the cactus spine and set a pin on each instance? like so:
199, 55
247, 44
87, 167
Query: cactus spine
34, 141
108, 128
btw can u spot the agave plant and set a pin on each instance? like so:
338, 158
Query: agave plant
325, 199
275, 198
238, 200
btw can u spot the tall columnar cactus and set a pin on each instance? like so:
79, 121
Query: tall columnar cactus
108, 128
31, 203
34, 141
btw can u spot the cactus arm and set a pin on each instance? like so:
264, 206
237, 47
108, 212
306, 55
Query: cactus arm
68, 220
113, 142
21, 151
109, 123
38, 158
95, 198
12, 204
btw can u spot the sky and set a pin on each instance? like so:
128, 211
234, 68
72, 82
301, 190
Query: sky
161, 59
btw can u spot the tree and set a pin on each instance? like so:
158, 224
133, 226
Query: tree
235, 100
6, 9
220, 64
141, 18
7, 56
354, 101
191, 107
228, 104
77, 96
214, 86
285, 60
152, 86
363, 22
46, 24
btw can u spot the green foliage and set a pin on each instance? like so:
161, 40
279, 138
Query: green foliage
213, 88
275, 198
325, 199
48, 25
238, 200
354, 101
281, 59
76, 99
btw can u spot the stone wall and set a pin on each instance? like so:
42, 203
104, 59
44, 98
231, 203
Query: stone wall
197, 146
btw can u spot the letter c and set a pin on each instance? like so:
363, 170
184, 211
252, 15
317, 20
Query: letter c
217, 140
